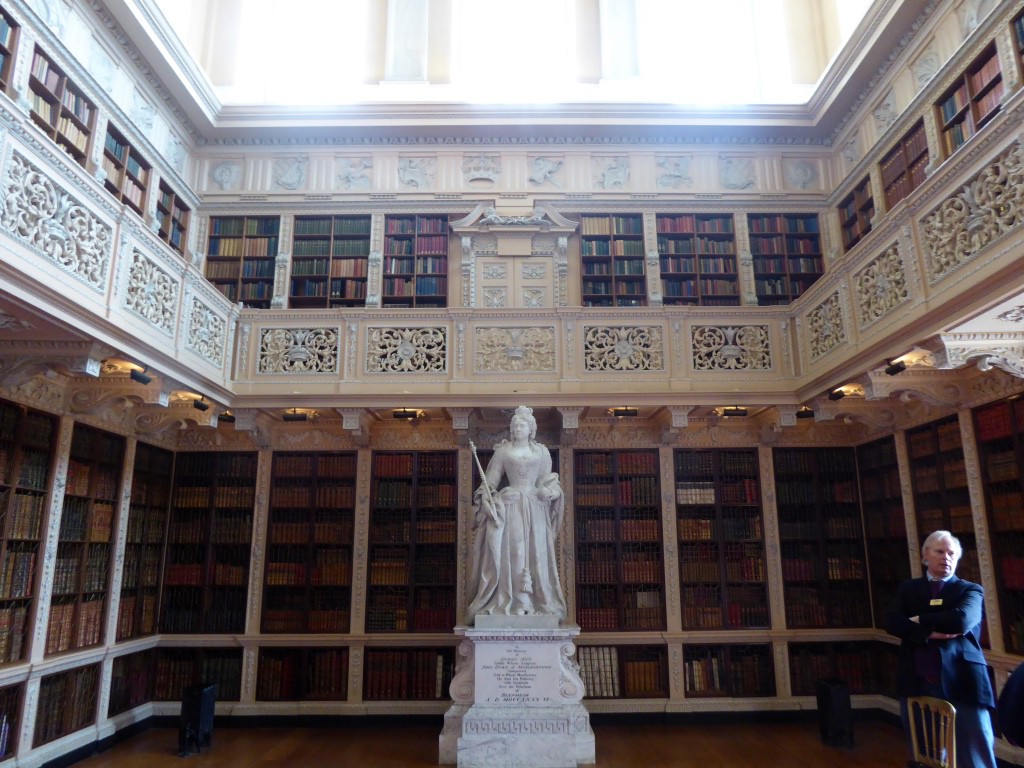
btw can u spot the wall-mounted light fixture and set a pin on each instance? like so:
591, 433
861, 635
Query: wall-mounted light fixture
295, 415
405, 413
734, 410
140, 376
836, 394
894, 368
201, 404
623, 411
227, 417
805, 413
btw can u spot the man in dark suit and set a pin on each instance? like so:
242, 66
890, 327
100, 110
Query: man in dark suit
938, 617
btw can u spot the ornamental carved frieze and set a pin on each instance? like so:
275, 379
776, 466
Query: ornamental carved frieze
989, 206
151, 292
501, 350
825, 326
299, 350
731, 348
207, 332
626, 348
47, 218
881, 286
406, 350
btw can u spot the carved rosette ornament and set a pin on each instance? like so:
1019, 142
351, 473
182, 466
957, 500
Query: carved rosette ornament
406, 350
825, 326
501, 350
206, 332
48, 219
299, 350
881, 286
151, 292
988, 207
731, 348
636, 348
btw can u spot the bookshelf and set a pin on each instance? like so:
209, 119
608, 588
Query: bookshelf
745, 670
177, 668
856, 211
903, 168
206, 568
939, 478
407, 674
612, 256
145, 542
26, 457
415, 261
172, 217
8, 48
885, 525
999, 430
822, 539
241, 254
67, 703
329, 261
308, 572
302, 674
11, 697
971, 101
84, 546
786, 251
697, 255
855, 663
412, 554
59, 108
131, 681
127, 173
721, 540
623, 672
620, 575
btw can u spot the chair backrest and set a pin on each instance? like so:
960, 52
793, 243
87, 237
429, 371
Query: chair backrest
932, 735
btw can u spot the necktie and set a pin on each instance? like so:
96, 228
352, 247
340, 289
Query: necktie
936, 586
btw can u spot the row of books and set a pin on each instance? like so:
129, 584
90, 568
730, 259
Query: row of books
404, 675
234, 247
25, 511
327, 496
320, 533
688, 223
237, 226
611, 225
126, 616
314, 620
223, 496
70, 628
629, 529
431, 245
598, 248
13, 623
328, 225
336, 466
399, 225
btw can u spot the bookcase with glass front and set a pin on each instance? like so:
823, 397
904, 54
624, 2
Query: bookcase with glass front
329, 261
620, 575
824, 580
903, 167
697, 255
11, 697
861, 665
85, 543
67, 703
623, 672
415, 261
59, 108
612, 255
728, 669
308, 572
302, 674
856, 212
786, 251
177, 668
8, 48
240, 257
131, 681
407, 673
972, 101
722, 578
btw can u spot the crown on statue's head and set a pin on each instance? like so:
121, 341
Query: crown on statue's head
523, 412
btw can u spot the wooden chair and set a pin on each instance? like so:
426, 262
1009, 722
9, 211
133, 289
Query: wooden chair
932, 735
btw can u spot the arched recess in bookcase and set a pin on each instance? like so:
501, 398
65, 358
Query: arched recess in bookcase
145, 542
206, 570
85, 544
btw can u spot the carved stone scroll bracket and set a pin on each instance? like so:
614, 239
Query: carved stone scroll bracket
1004, 351
857, 409
21, 362
357, 422
929, 386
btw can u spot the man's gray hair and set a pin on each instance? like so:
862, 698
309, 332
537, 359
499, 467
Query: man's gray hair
936, 536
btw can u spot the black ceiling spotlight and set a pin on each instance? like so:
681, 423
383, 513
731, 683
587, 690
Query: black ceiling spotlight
734, 410
295, 415
140, 376
201, 404
894, 368
836, 394
623, 411
805, 413
227, 417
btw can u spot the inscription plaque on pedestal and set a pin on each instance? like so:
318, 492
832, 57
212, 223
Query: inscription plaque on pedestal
515, 674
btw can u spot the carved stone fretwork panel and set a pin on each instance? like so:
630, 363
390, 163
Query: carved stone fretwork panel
299, 350
881, 286
152, 293
406, 350
48, 219
986, 208
989, 350
206, 334
500, 350
626, 348
731, 348
825, 326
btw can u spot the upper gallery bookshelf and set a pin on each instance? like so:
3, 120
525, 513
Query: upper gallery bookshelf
971, 101
329, 261
206, 571
786, 250
308, 573
411, 559
884, 522
415, 261
59, 108
1000, 436
240, 261
903, 168
26, 454
855, 214
697, 254
823, 574
612, 254
85, 546
144, 545
8, 46
620, 574
172, 217
127, 173
721, 540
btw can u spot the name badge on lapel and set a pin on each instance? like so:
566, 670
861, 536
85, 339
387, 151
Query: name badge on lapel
935, 601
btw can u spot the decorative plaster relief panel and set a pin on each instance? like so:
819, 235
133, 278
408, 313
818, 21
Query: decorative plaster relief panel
825, 326
152, 293
731, 348
207, 331
881, 286
299, 350
500, 350
626, 348
406, 350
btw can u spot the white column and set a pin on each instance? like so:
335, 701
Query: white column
405, 59
619, 50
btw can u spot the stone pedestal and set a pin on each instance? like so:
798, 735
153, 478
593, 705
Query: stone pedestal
517, 697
